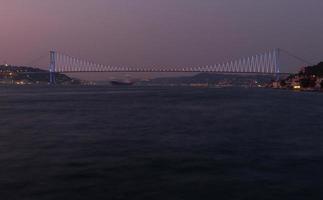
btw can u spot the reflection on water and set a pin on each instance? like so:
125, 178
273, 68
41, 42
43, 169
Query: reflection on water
160, 143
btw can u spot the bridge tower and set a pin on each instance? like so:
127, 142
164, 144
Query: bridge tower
277, 64
52, 68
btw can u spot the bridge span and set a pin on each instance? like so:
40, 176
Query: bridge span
264, 63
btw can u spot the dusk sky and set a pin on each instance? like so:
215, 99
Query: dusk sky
160, 32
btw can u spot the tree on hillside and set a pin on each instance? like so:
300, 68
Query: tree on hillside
315, 70
308, 82
283, 83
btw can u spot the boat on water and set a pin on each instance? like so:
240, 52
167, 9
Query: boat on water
122, 83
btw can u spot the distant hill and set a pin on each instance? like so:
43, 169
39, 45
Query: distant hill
235, 80
29, 75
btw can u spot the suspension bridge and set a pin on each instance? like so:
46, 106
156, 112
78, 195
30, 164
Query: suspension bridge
263, 63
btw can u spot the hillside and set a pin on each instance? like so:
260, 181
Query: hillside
309, 78
212, 79
27, 75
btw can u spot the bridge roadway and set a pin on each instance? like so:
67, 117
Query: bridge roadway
161, 71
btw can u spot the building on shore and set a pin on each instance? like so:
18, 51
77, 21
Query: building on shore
308, 78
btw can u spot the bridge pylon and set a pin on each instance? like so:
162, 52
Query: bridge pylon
52, 68
277, 63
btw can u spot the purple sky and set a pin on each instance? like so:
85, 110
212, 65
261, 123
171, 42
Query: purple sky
161, 32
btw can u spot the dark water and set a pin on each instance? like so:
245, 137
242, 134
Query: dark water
160, 143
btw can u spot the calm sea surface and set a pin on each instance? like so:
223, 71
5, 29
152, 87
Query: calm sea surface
160, 143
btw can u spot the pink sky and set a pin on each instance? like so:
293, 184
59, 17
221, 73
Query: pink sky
160, 32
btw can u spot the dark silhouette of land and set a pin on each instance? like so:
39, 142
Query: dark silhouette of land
308, 78
27, 75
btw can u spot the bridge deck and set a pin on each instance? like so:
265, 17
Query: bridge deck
161, 71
